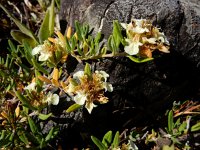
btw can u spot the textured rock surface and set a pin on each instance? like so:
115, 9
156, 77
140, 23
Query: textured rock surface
143, 90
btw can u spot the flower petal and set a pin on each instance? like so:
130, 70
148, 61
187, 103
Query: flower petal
124, 25
89, 107
80, 98
108, 87
103, 74
55, 99
78, 75
133, 48
37, 49
44, 56
31, 87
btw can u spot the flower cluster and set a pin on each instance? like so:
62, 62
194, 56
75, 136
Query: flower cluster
87, 89
41, 98
143, 38
52, 49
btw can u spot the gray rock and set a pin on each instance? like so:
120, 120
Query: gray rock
142, 91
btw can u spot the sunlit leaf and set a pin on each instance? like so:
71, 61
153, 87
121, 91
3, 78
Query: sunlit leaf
44, 116
115, 143
195, 127
20, 37
73, 107
107, 139
98, 143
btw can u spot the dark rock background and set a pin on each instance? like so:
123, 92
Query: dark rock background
142, 92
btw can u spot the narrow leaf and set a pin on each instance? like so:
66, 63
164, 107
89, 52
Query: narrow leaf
44, 33
23, 137
107, 139
98, 143
49, 135
39, 67
32, 125
170, 121
73, 107
139, 60
195, 127
78, 30
24, 101
44, 116
87, 70
51, 17
115, 143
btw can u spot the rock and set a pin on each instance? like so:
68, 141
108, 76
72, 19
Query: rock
142, 91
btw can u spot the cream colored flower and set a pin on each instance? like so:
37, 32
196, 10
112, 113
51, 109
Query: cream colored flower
31, 87
78, 75
136, 26
80, 98
89, 106
44, 52
52, 99
133, 47
102, 75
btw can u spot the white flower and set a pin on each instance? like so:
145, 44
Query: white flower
137, 27
80, 98
149, 40
89, 106
133, 47
43, 51
31, 87
52, 99
70, 89
102, 74
108, 87
78, 75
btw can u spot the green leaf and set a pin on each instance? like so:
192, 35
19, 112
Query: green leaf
24, 101
51, 17
195, 127
103, 51
49, 135
23, 137
68, 47
98, 143
115, 143
78, 30
22, 28
73, 107
170, 122
87, 70
117, 35
12, 136
42, 143
20, 37
139, 60
167, 147
182, 127
12, 46
38, 66
28, 51
107, 139
32, 125
44, 116
44, 33
47, 26
3, 133
52, 133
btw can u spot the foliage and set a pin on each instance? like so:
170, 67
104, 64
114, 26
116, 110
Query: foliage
34, 68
